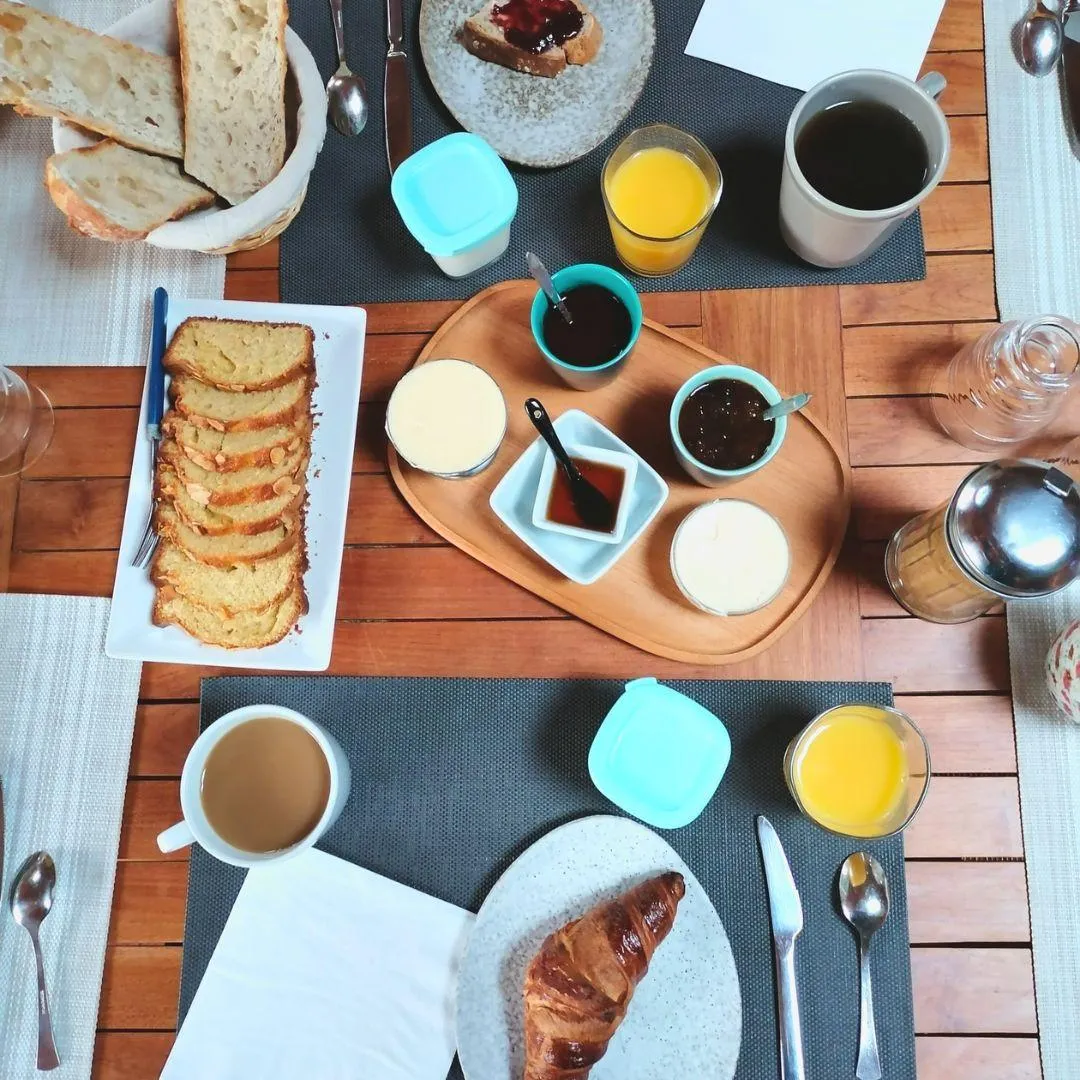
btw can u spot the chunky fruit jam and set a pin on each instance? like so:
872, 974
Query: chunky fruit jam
537, 25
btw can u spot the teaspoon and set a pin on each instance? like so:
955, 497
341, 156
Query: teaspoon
1041, 35
864, 900
788, 405
346, 92
31, 901
540, 273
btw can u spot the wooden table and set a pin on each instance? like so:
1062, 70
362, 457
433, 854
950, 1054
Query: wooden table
412, 605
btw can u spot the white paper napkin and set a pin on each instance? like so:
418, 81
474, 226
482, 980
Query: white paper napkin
326, 971
800, 42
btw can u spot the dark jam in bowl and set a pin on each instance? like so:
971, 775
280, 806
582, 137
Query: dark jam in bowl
722, 425
608, 479
600, 331
537, 25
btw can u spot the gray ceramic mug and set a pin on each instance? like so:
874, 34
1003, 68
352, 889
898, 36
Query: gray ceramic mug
825, 233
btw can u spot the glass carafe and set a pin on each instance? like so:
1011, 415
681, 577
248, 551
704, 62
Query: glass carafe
26, 423
1008, 385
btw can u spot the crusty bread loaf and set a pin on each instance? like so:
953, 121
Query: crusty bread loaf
231, 548
230, 410
243, 630
112, 192
241, 486
232, 55
49, 67
235, 355
484, 38
228, 589
243, 517
227, 451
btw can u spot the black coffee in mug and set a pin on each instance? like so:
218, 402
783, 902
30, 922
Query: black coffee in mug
864, 155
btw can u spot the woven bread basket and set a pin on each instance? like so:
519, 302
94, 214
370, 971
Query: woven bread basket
257, 220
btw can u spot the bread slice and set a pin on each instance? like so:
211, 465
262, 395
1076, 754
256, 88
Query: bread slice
235, 355
228, 589
231, 548
112, 192
227, 451
232, 55
242, 630
245, 517
50, 67
242, 486
231, 410
485, 38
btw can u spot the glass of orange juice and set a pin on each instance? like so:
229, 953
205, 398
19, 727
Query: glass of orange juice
859, 770
660, 188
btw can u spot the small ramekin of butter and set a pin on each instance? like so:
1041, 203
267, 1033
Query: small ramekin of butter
447, 417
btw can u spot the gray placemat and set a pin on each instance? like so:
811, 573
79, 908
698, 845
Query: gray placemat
348, 244
453, 778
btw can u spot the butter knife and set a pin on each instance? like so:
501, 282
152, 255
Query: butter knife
397, 98
785, 911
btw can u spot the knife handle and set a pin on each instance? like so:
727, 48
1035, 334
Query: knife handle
155, 404
792, 1065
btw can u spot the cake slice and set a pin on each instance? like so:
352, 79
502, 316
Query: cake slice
230, 548
242, 486
235, 355
227, 451
112, 192
228, 589
233, 410
50, 67
536, 37
242, 630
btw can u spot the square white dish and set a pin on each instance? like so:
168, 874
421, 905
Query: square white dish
339, 357
601, 455
582, 561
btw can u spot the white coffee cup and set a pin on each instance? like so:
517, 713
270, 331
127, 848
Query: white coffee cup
825, 233
195, 826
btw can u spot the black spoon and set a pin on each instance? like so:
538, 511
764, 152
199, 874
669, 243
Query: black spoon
593, 506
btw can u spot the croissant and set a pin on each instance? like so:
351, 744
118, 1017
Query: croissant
579, 984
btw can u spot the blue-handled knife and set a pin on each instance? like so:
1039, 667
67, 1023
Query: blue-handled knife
155, 408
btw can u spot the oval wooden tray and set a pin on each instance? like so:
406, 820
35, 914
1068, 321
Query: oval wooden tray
807, 486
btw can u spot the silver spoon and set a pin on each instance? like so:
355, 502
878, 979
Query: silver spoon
346, 92
1041, 35
864, 900
540, 273
788, 405
31, 901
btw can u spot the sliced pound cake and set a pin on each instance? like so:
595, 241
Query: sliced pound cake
242, 486
228, 590
243, 630
227, 451
235, 355
249, 517
231, 548
235, 410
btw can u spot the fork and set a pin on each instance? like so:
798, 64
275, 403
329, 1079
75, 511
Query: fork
155, 404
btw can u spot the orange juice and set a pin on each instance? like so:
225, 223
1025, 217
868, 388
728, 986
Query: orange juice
849, 771
660, 187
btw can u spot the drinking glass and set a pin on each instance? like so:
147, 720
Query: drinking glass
26, 423
654, 256
1007, 386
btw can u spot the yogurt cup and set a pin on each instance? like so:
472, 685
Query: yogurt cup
730, 557
458, 199
447, 417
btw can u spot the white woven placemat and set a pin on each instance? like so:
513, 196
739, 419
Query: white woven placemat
1035, 179
1048, 753
65, 738
69, 299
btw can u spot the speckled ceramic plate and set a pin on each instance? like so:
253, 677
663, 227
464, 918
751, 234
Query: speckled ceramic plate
685, 1019
532, 120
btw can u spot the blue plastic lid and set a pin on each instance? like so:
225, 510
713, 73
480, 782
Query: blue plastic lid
455, 193
659, 755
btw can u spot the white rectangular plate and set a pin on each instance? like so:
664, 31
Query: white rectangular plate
339, 359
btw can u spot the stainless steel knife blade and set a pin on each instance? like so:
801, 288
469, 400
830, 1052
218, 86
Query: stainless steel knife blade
785, 910
1070, 67
397, 96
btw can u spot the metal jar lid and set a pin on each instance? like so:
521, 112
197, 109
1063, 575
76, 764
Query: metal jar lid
1014, 526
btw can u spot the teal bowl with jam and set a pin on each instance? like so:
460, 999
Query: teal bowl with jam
581, 377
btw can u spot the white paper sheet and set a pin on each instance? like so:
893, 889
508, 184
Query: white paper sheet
326, 971
800, 42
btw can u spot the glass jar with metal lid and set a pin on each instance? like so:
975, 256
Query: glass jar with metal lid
1012, 530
